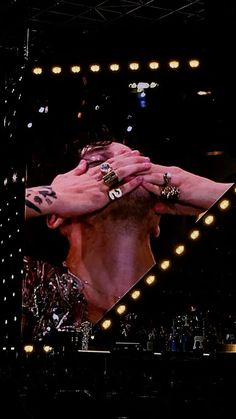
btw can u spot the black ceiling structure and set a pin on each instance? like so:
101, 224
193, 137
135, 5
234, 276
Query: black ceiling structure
66, 32
75, 19
65, 27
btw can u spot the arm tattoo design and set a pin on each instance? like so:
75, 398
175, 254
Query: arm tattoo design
37, 196
32, 206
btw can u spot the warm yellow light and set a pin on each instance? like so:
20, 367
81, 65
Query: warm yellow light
121, 309
150, 279
47, 348
37, 70
203, 92
215, 153
194, 63
135, 294
235, 190
209, 219
28, 348
114, 67
95, 68
165, 264
224, 204
174, 64
75, 69
56, 70
180, 249
134, 66
133, 85
153, 84
106, 324
195, 234
154, 65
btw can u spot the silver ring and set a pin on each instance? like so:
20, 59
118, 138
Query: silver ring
115, 193
169, 193
167, 178
105, 168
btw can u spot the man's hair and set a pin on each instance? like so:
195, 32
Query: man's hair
39, 240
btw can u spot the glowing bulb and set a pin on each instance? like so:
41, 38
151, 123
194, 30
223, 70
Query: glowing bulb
106, 324
194, 63
75, 69
174, 64
209, 219
195, 234
121, 309
37, 70
224, 204
135, 294
165, 264
47, 348
95, 68
134, 66
203, 92
180, 249
114, 67
150, 279
153, 84
56, 70
28, 348
154, 65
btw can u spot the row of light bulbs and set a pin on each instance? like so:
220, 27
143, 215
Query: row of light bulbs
207, 218
115, 67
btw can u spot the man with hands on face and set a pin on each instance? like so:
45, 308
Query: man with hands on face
107, 208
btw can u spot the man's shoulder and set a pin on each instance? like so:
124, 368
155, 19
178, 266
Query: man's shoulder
41, 267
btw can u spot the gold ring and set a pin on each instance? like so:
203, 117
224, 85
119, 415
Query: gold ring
111, 179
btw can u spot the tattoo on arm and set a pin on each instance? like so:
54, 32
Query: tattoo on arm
32, 206
38, 196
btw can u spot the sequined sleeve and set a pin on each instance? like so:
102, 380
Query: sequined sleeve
52, 300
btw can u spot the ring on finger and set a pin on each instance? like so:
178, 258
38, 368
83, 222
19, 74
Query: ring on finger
167, 178
105, 168
168, 192
115, 193
111, 179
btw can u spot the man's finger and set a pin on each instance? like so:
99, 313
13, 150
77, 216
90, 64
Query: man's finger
131, 185
80, 169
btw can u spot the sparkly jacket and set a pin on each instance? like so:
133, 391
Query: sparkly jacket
52, 301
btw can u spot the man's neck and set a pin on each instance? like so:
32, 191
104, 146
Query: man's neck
109, 263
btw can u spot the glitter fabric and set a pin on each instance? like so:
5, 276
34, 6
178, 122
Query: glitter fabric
52, 301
